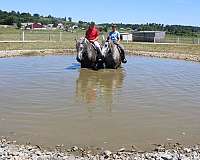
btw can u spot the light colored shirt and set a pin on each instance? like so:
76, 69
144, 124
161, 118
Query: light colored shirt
114, 36
102, 37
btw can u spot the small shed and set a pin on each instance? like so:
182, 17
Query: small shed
126, 36
148, 36
35, 26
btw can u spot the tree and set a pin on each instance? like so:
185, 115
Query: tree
19, 25
9, 20
105, 29
36, 15
13, 13
26, 14
70, 19
49, 16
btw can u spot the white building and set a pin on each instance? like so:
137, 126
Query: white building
60, 26
126, 37
25, 25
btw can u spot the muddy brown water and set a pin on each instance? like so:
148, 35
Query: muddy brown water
50, 100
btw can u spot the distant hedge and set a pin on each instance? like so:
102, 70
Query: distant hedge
9, 18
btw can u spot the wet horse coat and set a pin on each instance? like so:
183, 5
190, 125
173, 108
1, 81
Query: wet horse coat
87, 54
111, 55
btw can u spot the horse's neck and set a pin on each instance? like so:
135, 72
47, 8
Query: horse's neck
114, 47
90, 47
114, 51
90, 50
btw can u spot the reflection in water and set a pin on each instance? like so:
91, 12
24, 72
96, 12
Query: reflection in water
73, 66
92, 85
153, 100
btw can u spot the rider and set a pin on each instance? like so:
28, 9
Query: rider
92, 34
114, 36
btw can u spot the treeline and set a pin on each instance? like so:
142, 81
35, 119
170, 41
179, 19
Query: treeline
169, 29
9, 18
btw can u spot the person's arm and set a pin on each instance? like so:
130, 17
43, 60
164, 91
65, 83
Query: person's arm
86, 34
96, 39
118, 37
108, 37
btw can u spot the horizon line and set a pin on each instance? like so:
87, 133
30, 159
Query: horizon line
126, 23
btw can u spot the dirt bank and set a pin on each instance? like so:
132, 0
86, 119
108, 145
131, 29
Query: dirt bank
181, 56
14, 151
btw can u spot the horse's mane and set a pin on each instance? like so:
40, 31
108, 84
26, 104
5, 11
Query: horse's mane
113, 47
88, 47
83, 40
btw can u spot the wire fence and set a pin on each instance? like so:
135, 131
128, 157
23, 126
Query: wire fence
39, 36
66, 40
167, 39
68, 36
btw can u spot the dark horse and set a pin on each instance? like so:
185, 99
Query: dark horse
111, 54
87, 54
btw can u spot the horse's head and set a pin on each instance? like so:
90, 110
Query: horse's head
109, 47
81, 47
86, 53
106, 48
112, 55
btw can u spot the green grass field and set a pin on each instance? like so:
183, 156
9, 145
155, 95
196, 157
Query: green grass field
182, 39
51, 40
43, 35
165, 48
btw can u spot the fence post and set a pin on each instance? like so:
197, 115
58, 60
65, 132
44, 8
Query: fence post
154, 39
194, 41
20, 36
198, 41
60, 36
49, 36
178, 40
23, 36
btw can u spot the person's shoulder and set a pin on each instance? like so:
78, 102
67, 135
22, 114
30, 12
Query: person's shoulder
110, 33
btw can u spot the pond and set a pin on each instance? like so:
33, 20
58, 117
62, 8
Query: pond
49, 100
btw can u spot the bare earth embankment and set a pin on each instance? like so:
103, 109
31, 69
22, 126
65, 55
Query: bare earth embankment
174, 51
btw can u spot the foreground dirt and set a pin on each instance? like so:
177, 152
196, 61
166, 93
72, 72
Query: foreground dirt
12, 150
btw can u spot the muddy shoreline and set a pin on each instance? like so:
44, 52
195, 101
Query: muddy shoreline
13, 150
43, 52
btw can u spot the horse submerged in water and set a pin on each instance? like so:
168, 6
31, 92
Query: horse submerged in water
87, 54
112, 56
